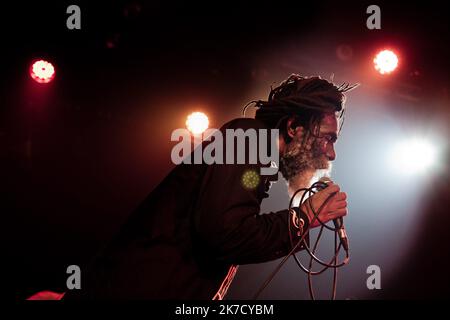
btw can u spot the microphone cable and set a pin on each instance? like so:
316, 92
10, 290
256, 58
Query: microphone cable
317, 186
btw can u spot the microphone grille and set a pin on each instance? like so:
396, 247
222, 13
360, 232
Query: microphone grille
325, 179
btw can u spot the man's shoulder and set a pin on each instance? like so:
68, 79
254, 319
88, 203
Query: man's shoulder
244, 123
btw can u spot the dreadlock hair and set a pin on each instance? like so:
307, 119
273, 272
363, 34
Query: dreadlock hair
306, 99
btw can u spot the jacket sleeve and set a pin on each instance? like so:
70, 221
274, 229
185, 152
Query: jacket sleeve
229, 223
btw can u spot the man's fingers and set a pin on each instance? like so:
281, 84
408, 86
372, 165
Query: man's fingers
340, 196
332, 188
338, 205
339, 213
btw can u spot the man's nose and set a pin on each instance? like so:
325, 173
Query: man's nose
331, 154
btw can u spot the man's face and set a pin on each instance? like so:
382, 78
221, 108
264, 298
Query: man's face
306, 157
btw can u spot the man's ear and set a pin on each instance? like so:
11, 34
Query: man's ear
291, 128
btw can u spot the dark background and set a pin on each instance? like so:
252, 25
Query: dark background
79, 154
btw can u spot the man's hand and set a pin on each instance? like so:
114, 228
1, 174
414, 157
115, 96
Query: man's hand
335, 207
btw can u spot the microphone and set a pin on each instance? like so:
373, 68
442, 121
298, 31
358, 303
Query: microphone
338, 222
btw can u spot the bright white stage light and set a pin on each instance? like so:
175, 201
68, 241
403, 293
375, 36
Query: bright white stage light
197, 123
386, 61
414, 156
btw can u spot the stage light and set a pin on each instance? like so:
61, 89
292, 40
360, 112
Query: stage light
413, 156
42, 71
197, 123
385, 61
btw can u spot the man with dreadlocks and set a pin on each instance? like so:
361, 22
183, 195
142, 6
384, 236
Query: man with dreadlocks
189, 235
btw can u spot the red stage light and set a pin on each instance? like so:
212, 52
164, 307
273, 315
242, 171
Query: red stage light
42, 71
386, 61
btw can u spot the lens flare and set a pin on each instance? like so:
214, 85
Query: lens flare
414, 156
385, 61
197, 123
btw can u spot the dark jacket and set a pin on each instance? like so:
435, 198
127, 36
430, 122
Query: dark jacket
182, 240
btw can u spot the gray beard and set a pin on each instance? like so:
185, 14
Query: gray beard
302, 164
